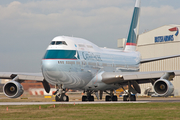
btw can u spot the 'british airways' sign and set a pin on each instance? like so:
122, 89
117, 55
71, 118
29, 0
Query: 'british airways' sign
168, 37
164, 38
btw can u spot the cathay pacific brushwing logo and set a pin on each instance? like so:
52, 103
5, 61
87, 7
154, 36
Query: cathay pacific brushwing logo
175, 29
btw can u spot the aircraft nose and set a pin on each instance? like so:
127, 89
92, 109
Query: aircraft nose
50, 72
48, 65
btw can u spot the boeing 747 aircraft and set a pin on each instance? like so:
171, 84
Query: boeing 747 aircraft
75, 63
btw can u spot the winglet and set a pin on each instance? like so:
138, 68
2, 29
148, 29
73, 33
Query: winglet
134, 29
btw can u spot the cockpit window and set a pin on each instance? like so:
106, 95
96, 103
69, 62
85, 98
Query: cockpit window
61, 43
53, 43
58, 43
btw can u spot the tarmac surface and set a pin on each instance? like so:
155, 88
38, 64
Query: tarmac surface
76, 99
139, 100
46, 103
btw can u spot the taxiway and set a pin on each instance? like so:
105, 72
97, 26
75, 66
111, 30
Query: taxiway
139, 100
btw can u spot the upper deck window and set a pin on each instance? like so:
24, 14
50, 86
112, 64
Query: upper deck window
58, 43
89, 46
81, 45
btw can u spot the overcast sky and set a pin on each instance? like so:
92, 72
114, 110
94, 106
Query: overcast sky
28, 26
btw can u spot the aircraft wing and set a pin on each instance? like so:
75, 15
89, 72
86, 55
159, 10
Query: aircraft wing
22, 76
158, 58
139, 77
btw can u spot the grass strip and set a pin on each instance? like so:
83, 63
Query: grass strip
137, 111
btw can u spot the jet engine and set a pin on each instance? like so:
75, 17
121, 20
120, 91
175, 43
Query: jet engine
13, 89
163, 87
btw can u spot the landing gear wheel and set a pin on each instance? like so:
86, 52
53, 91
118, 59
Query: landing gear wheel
133, 98
57, 98
108, 98
84, 98
66, 99
91, 98
125, 98
62, 98
114, 98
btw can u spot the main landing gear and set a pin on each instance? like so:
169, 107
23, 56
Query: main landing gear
61, 94
111, 96
129, 96
88, 97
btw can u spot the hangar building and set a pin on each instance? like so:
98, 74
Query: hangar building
162, 41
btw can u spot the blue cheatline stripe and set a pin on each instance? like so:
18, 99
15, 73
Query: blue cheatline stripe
61, 54
132, 35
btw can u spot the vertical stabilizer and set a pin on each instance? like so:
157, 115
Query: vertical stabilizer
134, 29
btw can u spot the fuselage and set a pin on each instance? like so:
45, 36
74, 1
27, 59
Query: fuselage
77, 63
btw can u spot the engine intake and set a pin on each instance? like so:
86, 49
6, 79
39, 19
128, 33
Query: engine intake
13, 89
163, 87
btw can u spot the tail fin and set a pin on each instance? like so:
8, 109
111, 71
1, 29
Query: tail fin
134, 29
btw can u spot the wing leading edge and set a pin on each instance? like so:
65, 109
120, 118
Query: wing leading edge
22, 76
159, 79
140, 77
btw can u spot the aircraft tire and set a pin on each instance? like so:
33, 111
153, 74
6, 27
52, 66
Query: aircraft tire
108, 98
84, 98
63, 98
114, 98
67, 98
91, 98
57, 99
133, 98
125, 97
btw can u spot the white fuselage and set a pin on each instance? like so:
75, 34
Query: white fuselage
78, 64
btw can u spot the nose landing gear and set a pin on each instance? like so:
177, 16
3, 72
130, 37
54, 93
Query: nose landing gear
61, 94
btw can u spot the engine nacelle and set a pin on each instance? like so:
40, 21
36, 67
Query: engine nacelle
13, 89
163, 87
